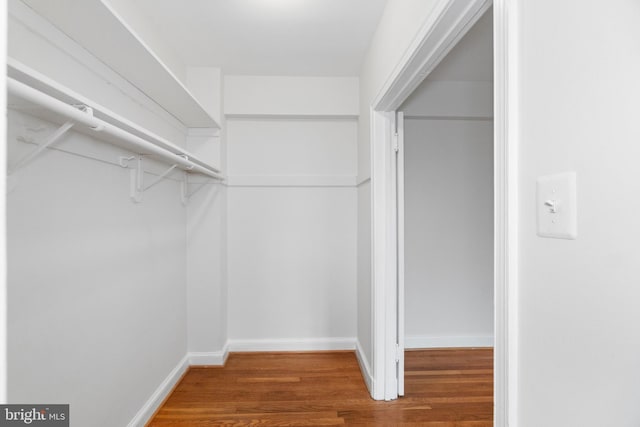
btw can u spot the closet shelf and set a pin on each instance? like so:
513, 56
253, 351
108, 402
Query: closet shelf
36, 94
96, 26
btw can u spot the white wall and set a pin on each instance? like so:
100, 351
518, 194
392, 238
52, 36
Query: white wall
578, 332
205, 84
398, 26
96, 284
448, 233
207, 298
291, 265
364, 291
206, 274
291, 96
291, 215
451, 99
292, 148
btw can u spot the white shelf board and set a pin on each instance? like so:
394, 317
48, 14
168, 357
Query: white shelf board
42, 83
97, 27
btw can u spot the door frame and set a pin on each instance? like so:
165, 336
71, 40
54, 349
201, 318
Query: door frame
446, 25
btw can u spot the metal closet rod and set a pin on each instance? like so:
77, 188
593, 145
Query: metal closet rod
86, 118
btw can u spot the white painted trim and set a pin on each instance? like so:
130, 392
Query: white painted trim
211, 358
506, 126
293, 344
365, 368
291, 181
400, 238
416, 342
380, 142
160, 394
391, 280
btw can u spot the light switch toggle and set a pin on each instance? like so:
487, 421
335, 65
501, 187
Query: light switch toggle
553, 205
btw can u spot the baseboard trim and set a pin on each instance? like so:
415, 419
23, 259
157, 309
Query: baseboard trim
151, 406
364, 367
210, 358
302, 344
446, 342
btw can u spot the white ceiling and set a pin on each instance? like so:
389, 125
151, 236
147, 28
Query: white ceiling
268, 37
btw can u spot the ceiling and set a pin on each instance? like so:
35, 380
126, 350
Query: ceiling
268, 37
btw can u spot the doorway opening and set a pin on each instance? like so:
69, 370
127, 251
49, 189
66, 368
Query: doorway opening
451, 21
445, 217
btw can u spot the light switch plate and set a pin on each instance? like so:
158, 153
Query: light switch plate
556, 206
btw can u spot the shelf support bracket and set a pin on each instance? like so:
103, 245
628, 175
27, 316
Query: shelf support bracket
185, 195
160, 177
55, 137
137, 187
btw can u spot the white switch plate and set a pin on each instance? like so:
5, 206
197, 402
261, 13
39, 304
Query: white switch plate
556, 205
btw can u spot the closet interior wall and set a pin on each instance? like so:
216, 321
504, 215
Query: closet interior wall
291, 157
449, 233
449, 199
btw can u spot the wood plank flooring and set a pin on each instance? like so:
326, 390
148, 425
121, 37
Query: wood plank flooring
444, 388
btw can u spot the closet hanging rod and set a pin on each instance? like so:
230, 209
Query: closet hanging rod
85, 117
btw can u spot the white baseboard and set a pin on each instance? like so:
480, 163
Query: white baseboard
211, 358
149, 408
364, 367
302, 344
447, 342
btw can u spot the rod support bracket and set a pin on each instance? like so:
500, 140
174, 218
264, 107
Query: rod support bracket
137, 186
136, 178
123, 161
89, 111
53, 138
185, 195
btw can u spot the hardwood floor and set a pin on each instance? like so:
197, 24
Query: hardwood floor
444, 388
